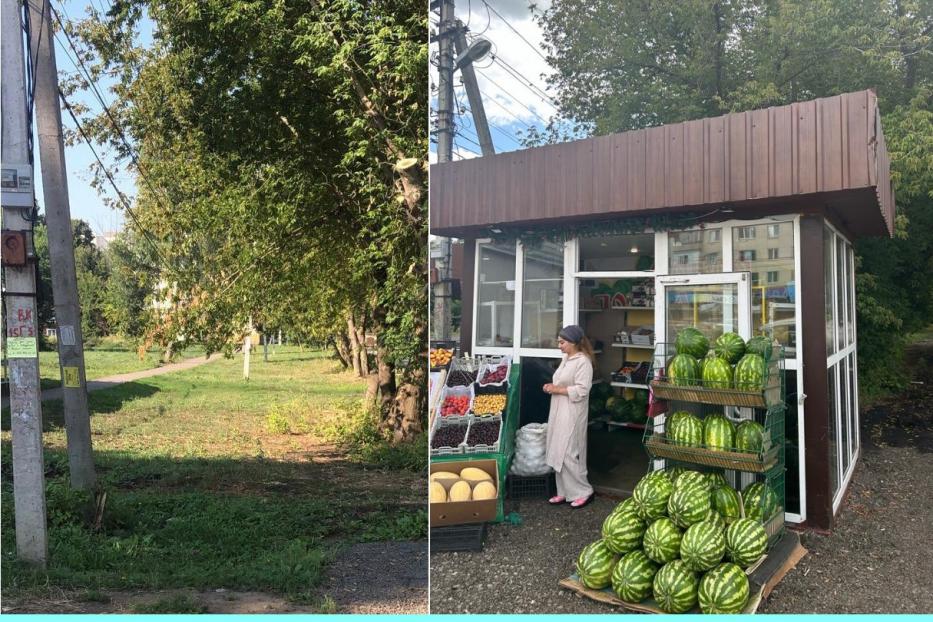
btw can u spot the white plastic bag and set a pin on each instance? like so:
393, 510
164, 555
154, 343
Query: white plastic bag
531, 450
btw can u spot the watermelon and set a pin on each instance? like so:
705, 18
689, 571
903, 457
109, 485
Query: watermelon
689, 432
628, 505
662, 540
716, 518
759, 502
746, 541
688, 505
716, 373
651, 495
760, 345
594, 566
702, 546
750, 373
725, 500
718, 433
653, 475
632, 577
749, 437
692, 479
675, 587
683, 370
716, 479
724, 589
675, 472
730, 347
622, 531
691, 341
602, 390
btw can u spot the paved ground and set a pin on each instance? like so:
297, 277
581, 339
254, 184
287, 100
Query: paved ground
876, 560
108, 382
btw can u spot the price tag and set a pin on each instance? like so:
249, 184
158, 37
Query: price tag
21, 348
72, 379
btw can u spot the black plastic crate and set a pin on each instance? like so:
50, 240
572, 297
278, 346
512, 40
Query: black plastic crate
458, 538
531, 486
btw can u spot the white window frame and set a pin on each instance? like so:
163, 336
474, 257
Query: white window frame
490, 350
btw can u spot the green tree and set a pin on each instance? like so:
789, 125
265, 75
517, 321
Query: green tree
281, 152
625, 65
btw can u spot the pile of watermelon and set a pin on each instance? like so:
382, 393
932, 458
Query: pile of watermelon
715, 433
684, 538
731, 362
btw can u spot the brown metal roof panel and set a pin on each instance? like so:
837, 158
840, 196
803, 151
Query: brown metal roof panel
831, 158
857, 128
738, 162
783, 155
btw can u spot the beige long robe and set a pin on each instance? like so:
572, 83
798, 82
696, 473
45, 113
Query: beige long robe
566, 430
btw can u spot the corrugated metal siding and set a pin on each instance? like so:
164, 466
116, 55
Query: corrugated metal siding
821, 146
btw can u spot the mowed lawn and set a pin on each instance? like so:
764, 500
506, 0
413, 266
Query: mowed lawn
215, 482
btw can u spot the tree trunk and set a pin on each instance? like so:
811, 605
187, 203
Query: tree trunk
385, 372
265, 347
405, 419
169, 352
342, 346
354, 346
372, 389
361, 339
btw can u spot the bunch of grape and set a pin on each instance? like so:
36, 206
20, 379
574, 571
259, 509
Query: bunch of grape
485, 433
461, 378
495, 375
448, 436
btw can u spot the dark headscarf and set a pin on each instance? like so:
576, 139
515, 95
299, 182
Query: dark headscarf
572, 333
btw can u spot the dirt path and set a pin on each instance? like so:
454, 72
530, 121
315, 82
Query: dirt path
876, 560
107, 382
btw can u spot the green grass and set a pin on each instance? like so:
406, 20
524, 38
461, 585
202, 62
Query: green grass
201, 494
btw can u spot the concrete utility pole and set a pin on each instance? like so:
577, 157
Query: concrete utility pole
19, 296
445, 78
61, 247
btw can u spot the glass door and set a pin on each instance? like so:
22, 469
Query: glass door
711, 303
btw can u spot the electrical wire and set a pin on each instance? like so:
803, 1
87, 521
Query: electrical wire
526, 82
515, 99
512, 28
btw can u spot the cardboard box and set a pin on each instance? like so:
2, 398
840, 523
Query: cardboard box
465, 512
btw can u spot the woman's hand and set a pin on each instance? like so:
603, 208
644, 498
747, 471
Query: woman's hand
553, 389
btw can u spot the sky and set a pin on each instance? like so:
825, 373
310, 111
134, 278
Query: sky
511, 104
84, 201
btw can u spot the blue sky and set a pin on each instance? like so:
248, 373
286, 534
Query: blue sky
85, 202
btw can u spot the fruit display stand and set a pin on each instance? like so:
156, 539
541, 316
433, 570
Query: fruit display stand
503, 456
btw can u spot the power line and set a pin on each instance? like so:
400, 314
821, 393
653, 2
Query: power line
507, 111
520, 35
515, 99
504, 132
531, 86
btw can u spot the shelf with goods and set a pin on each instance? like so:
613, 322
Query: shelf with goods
749, 446
503, 452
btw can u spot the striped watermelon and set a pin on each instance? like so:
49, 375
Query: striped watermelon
702, 546
683, 370
724, 589
725, 501
662, 540
749, 437
657, 475
675, 472
746, 541
622, 531
716, 479
716, 373
750, 373
632, 577
673, 421
675, 587
594, 566
688, 505
628, 505
759, 345
759, 501
717, 519
689, 432
718, 433
692, 479
730, 347
651, 495
693, 342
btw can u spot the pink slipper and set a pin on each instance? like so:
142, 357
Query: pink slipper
556, 500
581, 502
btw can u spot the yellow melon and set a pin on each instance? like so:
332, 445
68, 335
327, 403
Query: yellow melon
443, 475
460, 491
475, 474
438, 494
484, 490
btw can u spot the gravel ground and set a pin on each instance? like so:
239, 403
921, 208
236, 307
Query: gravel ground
876, 560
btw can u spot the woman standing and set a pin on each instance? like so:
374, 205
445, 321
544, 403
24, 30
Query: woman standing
566, 430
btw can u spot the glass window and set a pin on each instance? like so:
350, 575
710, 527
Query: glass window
774, 231
828, 246
841, 312
773, 280
495, 298
619, 253
843, 413
711, 309
850, 323
542, 295
853, 404
833, 426
695, 252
